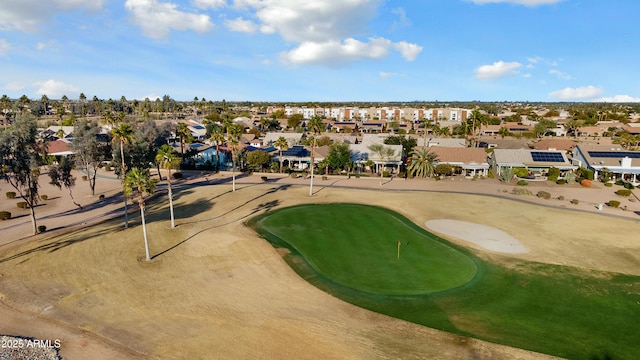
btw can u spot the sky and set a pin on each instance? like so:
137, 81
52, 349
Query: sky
322, 50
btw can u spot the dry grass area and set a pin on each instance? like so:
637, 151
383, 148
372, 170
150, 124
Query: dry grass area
216, 290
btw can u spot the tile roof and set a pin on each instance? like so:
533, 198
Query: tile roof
460, 155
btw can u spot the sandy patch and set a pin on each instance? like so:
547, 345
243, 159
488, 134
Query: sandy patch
484, 236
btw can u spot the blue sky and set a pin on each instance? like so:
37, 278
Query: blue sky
322, 50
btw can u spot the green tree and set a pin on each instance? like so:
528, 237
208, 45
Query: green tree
383, 153
294, 121
339, 155
233, 140
141, 181
543, 125
408, 143
421, 163
258, 159
123, 134
184, 134
217, 137
20, 161
282, 144
504, 131
167, 159
61, 175
89, 150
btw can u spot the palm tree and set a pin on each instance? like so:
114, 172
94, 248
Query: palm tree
183, 133
123, 134
217, 137
282, 144
421, 163
142, 182
168, 159
384, 153
315, 125
234, 132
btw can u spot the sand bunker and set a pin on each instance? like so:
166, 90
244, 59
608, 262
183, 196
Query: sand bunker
484, 236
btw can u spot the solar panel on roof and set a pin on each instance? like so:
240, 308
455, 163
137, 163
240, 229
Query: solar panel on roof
547, 156
614, 154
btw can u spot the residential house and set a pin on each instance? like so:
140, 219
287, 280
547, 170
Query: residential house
538, 162
623, 163
472, 161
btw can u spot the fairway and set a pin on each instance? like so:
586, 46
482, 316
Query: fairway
369, 248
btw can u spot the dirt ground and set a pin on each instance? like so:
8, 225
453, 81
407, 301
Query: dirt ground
216, 290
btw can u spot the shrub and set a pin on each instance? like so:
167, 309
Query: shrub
561, 181
385, 173
101, 197
490, 175
619, 182
586, 173
608, 184
544, 195
623, 192
22, 204
177, 175
614, 203
522, 183
85, 178
575, 201
586, 183
521, 192
628, 186
521, 172
44, 197
561, 197
5, 215
11, 194
42, 228
553, 174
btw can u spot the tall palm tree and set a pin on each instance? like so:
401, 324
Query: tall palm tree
384, 153
421, 163
217, 137
315, 125
142, 182
235, 132
282, 144
123, 134
168, 159
183, 133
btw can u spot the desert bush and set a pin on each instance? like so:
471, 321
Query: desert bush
5, 215
586, 183
561, 197
608, 184
561, 181
385, 173
22, 204
177, 175
623, 192
614, 203
628, 186
42, 228
619, 182
11, 194
44, 197
522, 183
517, 191
85, 178
544, 195
575, 201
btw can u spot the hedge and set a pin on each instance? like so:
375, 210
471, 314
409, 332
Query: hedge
11, 195
623, 192
544, 195
5, 215
614, 203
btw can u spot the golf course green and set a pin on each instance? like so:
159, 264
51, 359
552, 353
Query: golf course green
351, 252
370, 249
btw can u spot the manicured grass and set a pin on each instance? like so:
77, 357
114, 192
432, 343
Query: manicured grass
556, 310
357, 246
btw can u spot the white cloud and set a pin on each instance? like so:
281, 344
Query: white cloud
241, 25
41, 46
384, 74
335, 53
27, 15
157, 19
151, 97
209, 4
402, 17
55, 89
4, 47
517, 2
14, 87
535, 59
560, 74
526, 76
325, 31
409, 51
619, 99
580, 93
497, 70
